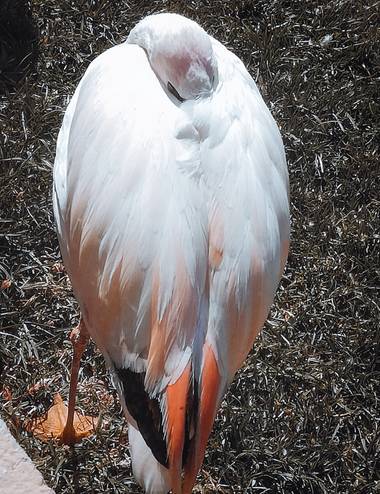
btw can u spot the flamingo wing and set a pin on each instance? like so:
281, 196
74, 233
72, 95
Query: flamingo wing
249, 211
132, 226
246, 183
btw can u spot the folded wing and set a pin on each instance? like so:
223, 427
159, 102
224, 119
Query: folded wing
132, 224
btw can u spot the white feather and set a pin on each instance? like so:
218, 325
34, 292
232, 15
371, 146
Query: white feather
146, 469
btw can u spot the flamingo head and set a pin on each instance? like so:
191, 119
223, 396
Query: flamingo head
180, 53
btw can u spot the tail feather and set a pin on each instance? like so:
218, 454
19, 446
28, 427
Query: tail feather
168, 434
149, 473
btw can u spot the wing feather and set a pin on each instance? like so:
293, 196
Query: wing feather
246, 183
132, 215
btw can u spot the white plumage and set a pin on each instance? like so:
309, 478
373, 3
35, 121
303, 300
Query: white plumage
173, 221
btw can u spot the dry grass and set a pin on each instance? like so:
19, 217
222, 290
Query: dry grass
303, 414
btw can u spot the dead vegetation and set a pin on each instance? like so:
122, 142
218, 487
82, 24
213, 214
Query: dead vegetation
303, 414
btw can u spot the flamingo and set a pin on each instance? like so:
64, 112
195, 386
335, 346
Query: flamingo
172, 208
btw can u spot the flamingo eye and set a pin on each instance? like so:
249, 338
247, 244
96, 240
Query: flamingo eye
174, 92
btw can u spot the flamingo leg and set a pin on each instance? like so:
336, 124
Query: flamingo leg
79, 338
60, 422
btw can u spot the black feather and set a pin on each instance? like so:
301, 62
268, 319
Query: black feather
145, 410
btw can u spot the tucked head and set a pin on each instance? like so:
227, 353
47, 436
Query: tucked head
180, 53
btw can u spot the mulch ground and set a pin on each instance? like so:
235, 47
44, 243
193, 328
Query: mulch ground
302, 416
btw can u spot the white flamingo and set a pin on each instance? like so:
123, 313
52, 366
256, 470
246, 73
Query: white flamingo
171, 200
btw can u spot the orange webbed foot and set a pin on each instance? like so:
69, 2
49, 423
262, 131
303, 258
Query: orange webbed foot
53, 424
